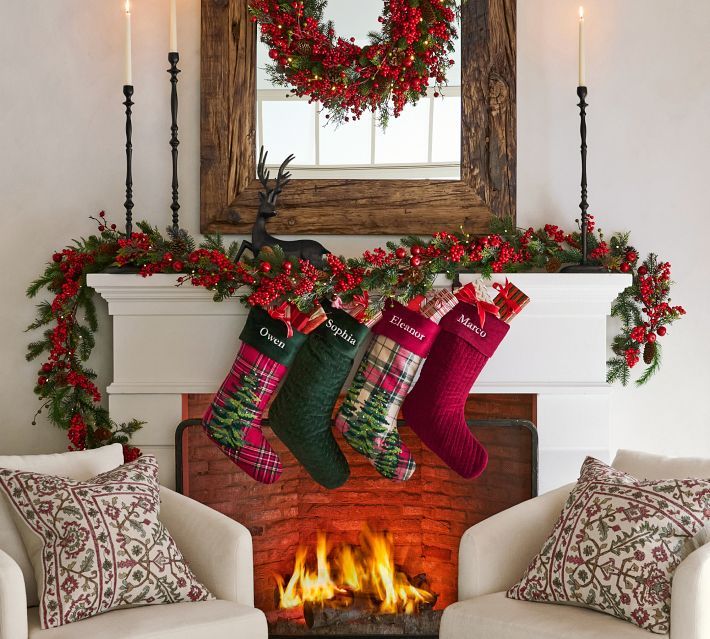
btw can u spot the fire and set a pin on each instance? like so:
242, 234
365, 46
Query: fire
366, 572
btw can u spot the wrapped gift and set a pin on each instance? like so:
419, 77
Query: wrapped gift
298, 320
510, 300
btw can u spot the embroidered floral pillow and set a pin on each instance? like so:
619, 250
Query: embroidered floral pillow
98, 545
617, 544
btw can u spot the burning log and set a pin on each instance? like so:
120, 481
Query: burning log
321, 618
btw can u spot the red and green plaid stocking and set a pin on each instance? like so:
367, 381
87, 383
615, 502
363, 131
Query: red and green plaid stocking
233, 419
368, 415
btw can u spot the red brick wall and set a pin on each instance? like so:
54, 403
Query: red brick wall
427, 515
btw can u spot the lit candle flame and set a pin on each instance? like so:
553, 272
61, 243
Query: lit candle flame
128, 6
581, 13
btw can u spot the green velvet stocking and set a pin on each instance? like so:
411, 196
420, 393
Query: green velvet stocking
301, 413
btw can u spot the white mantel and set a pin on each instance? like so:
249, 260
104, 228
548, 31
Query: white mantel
169, 340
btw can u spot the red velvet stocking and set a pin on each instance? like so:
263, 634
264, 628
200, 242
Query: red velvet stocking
434, 409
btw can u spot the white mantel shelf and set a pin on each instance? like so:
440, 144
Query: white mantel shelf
170, 340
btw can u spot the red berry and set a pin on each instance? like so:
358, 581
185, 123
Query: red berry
643, 270
415, 261
416, 249
102, 228
265, 267
102, 214
400, 253
113, 227
651, 337
625, 267
631, 256
178, 266
273, 54
287, 266
662, 330
41, 381
57, 257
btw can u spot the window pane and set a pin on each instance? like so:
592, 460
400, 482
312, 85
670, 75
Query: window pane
289, 127
446, 145
406, 138
346, 144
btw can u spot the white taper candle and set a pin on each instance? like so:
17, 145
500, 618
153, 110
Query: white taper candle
128, 69
582, 54
173, 26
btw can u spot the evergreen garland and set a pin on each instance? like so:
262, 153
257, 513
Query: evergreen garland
401, 271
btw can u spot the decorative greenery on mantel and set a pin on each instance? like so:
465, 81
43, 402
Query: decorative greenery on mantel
402, 270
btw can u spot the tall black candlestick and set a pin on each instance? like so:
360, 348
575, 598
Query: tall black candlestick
173, 59
128, 93
583, 266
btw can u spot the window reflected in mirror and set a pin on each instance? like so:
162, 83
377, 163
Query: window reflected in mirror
424, 142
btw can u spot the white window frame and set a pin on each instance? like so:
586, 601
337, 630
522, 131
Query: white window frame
372, 170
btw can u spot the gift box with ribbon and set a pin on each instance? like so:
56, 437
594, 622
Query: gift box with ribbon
510, 300
298, 320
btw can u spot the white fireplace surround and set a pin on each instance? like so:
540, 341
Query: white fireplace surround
170, 340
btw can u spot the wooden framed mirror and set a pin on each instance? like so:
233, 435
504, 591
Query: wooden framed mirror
487, 183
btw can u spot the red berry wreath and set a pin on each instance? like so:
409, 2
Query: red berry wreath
413, 48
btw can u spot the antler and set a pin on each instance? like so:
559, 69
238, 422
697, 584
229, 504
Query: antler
282, 179
261, 170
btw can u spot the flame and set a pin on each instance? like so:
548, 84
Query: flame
367, 572
581, 13
128, 6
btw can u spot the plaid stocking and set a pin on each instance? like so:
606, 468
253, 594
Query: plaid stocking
233, 419
368, 415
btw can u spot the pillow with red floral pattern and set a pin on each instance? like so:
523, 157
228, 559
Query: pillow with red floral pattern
98, 545
617, 544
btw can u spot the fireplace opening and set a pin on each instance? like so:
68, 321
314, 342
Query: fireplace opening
355, 587
373, 557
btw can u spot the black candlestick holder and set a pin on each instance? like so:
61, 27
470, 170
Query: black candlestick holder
173, 59
128, 204
583, 266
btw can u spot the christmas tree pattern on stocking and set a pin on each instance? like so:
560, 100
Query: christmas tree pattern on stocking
368, 416
434, 409
233, 419
301, 413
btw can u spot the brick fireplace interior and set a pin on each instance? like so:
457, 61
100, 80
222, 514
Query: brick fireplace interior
425, 517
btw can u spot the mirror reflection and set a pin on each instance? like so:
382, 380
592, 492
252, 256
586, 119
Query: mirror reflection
424, 142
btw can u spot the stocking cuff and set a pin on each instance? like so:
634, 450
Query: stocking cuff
343, 332
409, 329
463, 322
269, 336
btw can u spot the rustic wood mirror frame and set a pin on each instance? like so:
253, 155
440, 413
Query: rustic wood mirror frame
228, 184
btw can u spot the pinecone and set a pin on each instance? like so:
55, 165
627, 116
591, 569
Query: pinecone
649, 352
553, 265
415, 276
427, 11
304, 48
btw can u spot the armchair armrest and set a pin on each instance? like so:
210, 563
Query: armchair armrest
13, 601
690, 613
218, 549
494, 554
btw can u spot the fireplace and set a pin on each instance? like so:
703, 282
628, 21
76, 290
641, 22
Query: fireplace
307, 538
173, 344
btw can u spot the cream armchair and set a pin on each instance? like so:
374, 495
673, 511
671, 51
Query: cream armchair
495, 553
218, 550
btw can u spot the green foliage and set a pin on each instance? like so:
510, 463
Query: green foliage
239, 411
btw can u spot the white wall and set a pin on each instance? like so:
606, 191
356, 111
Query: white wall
62, 160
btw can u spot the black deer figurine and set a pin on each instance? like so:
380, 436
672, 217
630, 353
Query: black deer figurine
293, 249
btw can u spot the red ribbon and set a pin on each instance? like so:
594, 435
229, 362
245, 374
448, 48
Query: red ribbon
283, 313
468, 295
357, 308
505, 293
